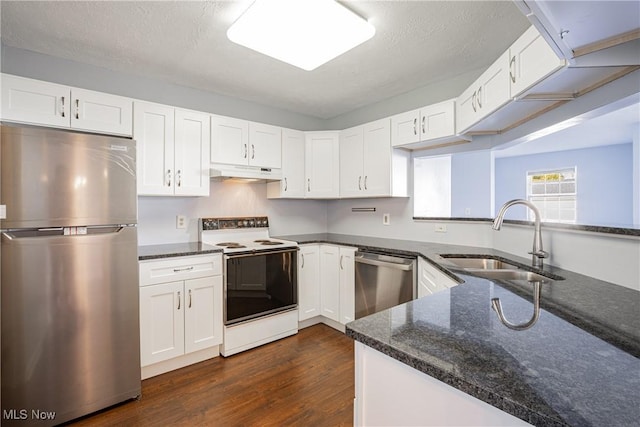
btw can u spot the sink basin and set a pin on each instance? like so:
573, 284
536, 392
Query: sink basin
496, 269
482, 264
529, 276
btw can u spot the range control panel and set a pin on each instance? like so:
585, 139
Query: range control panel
207, 224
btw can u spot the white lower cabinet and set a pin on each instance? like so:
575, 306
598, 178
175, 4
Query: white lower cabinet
431, 280
308, 282
181, 309
326, 283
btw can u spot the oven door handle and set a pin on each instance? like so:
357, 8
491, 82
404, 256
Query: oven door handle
256, 253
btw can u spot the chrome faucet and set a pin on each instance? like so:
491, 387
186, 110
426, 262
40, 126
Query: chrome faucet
537, 254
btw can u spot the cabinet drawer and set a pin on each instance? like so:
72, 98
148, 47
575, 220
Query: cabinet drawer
181, 268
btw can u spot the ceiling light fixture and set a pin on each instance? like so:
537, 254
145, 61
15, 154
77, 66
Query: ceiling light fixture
303, 33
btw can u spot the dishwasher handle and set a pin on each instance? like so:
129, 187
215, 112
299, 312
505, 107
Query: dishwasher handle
395, 263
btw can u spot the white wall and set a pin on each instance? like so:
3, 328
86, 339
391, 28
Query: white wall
636, 176
157, 215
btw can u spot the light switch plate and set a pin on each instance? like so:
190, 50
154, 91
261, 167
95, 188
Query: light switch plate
181, 221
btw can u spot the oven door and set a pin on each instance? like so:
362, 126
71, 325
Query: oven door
259, 284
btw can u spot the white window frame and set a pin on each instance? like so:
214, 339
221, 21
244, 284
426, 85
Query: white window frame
555, 193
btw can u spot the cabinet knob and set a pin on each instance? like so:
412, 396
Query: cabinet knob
479, 98
168, 177
308, 184
423, 130
415, 126
77, 108
62, 105
512, 71
253, 151
245, 151
179, 178
302, 258
473, 102
178, 300
285, 184
359, 182
189, 298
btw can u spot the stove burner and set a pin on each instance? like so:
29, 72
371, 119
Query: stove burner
270, 243
231, 245
262, 240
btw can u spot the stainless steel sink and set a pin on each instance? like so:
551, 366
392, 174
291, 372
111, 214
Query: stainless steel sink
491, 268
482, 264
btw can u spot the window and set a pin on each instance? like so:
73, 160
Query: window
432, 186
554, 194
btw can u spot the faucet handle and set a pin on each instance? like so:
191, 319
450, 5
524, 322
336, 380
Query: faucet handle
539, 254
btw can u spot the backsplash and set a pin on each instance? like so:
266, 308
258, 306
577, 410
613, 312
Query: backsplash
157, 215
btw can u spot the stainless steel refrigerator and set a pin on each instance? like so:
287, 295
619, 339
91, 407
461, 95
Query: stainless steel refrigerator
69, 274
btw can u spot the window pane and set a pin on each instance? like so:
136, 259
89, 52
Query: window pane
432, 186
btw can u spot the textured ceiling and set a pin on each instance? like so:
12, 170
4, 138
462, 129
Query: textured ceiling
416, 43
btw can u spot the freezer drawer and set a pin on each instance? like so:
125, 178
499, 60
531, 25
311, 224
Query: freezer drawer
70, 323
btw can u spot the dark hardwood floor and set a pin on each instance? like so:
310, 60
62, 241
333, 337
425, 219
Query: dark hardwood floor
303, 380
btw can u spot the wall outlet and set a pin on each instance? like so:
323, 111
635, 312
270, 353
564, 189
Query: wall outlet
440, 228
181, 221
386, 219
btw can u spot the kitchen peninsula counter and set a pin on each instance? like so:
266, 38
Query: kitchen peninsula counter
577, 365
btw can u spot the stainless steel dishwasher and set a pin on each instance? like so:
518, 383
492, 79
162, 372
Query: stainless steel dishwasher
383, 281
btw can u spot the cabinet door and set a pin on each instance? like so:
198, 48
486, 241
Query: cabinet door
347, 285
34, 101
431, 280
292, 183
202, 313
308, 282
153, 130
322, 165
438, 120
466, 109
351, 161
192, 144
229, 140
101, 112
377, 159
494, 89
531, 61
265, 145
404, 128
161, 322
330, 282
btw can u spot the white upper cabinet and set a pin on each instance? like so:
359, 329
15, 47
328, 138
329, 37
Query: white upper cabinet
265, 145
528, 62
369, 167
293, 180
322, 165
242, 143
532, 60
488, 93
36, 102
191, 153
430, 125
172, 150
229, 140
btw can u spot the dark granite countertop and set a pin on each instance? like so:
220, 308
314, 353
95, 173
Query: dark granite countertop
578, 365
175, 250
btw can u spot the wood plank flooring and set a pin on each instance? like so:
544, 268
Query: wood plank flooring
303, 380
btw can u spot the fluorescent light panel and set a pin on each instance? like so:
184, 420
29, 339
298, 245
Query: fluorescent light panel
303, 33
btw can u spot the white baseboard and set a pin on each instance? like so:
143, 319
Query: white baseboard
179, 362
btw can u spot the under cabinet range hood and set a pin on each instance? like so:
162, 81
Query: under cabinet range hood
253, 173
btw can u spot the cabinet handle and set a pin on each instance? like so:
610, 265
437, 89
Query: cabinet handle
189, 298
245, 151
415, 126
365, 181
341, 257
179, 300
480, 97
77, 108
62, 102
302, 257
423, 131
473, 102
168, 177
253, 151
179, 178
512, 71
285, 184
308, 184
177, 270
359, 182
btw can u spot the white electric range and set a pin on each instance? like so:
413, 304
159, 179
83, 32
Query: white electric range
260, 281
